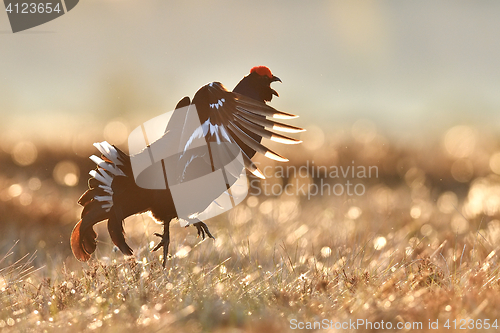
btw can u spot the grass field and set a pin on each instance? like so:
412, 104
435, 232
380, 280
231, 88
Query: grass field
418, 247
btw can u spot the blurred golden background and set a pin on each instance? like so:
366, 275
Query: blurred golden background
412, 89
410, 67
408, 88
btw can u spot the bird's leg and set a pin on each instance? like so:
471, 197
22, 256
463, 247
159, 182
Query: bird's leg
165, 242
203, 229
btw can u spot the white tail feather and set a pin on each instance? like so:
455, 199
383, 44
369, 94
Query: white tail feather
99, 177
109, 151
107, 207
108, 178
107, 166
107, 198
106, 189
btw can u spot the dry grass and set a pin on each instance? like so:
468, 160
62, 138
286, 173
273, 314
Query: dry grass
418, 246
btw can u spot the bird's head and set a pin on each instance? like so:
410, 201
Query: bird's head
257, 84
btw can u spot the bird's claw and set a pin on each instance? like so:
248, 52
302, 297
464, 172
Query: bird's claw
203, 230
160, 244
165, 242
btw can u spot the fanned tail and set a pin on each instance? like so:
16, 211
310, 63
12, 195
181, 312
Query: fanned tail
98, 203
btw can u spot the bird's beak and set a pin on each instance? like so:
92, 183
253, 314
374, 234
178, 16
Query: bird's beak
275, 78
275, 93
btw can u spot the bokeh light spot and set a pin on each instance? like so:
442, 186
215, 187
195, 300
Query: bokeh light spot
426, 230
3, 284
25, 199
364, 131
447, 202
379, 243
495, 163
415, 177
266, 207
460, 141
15, 190
415, 212
354, 212
462, 170
313, 138
66, 173
24, 153
459, 224
252, 201
34, 184
326, 252
183, 252
116, 131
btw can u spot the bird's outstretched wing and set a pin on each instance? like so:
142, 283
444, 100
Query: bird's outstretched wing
231, 117
203, 148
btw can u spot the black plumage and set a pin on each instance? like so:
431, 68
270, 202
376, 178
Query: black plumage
241, 117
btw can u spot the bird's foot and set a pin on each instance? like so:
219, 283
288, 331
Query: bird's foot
165, 242
202, 230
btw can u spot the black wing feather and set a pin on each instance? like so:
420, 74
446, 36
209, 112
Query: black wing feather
244, 120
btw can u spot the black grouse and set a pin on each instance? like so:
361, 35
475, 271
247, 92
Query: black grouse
239, 117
